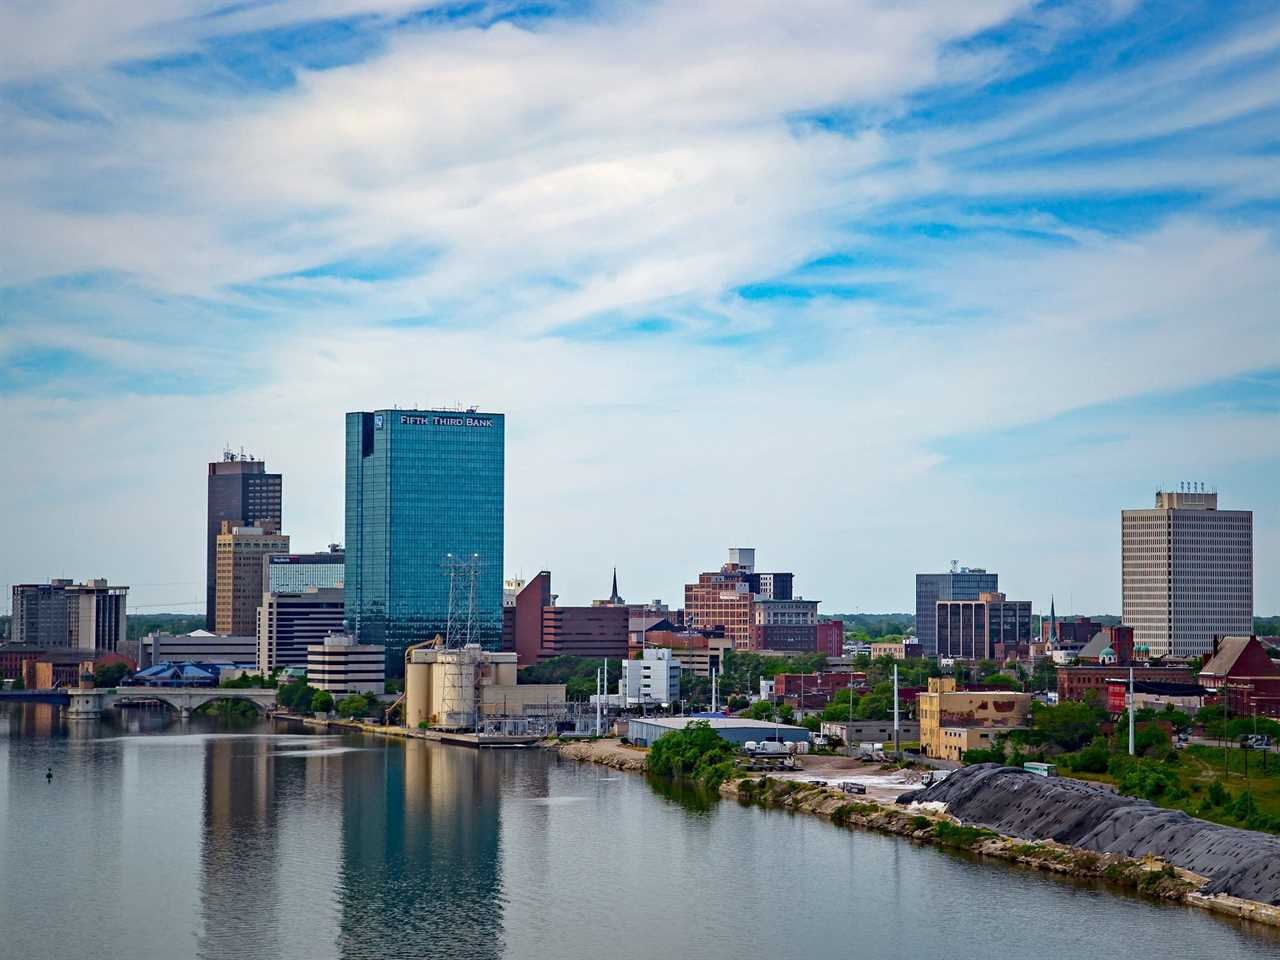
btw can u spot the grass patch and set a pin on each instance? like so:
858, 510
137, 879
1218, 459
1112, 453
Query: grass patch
1214, 786
957, 835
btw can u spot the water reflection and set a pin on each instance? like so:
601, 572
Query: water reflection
238, 858
693, 797
420, 854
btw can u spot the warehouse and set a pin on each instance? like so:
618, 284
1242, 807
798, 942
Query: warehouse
643, 731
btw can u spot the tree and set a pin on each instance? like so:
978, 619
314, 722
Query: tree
1044, 676
696, 752
1068, 725
760, 710
109, 674
322, 702
296, 696
785, 713
353, 705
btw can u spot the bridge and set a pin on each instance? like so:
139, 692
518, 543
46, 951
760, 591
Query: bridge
88, 703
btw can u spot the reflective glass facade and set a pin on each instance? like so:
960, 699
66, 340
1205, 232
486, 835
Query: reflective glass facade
423, 486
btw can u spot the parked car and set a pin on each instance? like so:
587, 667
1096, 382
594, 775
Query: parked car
850, 787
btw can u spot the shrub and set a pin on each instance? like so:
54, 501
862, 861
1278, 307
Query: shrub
322, 702
1092, 759
696, 752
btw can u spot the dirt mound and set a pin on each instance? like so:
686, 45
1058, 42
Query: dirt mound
1241, 863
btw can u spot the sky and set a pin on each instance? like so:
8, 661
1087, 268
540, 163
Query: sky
868, 286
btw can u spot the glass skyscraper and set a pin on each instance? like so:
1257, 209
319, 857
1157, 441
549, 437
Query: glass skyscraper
424, 498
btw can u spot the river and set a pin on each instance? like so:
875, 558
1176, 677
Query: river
156, 839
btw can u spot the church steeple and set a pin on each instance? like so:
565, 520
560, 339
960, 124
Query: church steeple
1053, 624
613, 597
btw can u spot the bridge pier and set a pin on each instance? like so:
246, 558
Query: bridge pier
85, 704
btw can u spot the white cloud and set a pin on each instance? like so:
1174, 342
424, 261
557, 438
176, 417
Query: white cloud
640, 164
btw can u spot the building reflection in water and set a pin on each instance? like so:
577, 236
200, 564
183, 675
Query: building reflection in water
239, 880
420, 868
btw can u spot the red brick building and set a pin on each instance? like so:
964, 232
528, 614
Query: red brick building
537, 629
1075, 682
830, 638
1242, 675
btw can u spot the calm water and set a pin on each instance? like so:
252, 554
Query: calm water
159, 840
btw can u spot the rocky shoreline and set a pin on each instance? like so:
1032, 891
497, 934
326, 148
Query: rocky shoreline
927, 823
610, 753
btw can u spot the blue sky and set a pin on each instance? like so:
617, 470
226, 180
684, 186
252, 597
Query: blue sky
869, 286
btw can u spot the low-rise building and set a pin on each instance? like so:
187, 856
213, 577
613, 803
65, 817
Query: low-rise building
1242, 675
1187, 697
1074, 683
290, 622
341, 666
953, 721
871, 731
645, 731
651, 679
898, 649
200, 646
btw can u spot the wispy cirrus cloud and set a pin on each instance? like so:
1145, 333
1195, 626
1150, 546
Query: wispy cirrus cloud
865, 238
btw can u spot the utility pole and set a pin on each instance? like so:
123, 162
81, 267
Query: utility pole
897, 752
1131, 749
597, 701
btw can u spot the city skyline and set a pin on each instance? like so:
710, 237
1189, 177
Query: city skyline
870, 289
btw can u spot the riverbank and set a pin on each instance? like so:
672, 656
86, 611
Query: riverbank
926, 823
610, 753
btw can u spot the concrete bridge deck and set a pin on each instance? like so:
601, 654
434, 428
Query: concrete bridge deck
88, 704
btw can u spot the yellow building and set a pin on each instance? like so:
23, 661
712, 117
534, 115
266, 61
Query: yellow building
895, 649
454, 689
239, 555
953, 721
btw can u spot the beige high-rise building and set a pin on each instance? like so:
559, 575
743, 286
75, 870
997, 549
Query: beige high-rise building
238, 582
1186, 572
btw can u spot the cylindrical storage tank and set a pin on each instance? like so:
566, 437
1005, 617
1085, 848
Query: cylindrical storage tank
750, 746
417, 693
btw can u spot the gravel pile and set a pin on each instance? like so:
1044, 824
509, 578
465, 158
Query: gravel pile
1241, 863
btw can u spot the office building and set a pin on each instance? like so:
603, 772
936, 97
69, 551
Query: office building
537, 628
86, 616
830, 638
294, 572
962, 583
241, 553
424, 524
973, 629
595, 631
340, 665
726, 599
290, 622
242, 493
652, 680
1187, 572
511, 586
953, 721
785, 625
97, 615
